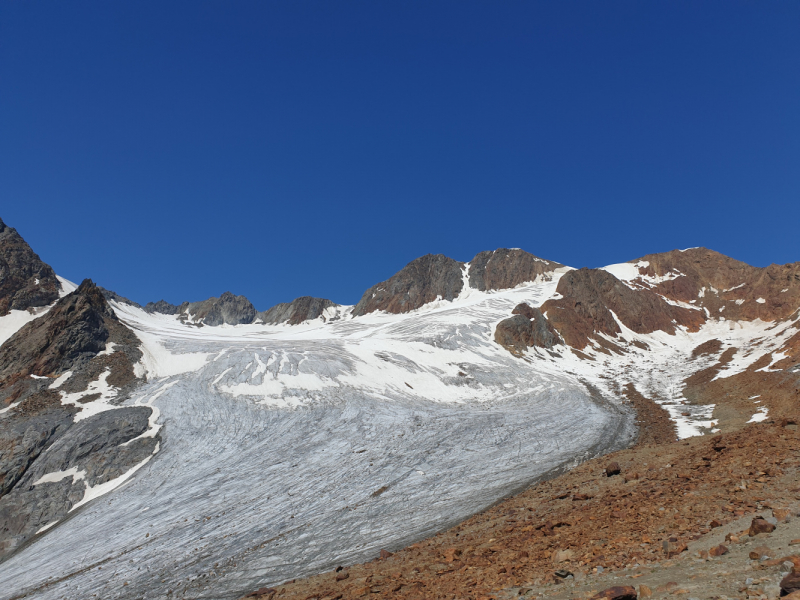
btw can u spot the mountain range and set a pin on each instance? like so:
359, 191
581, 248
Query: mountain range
207, 449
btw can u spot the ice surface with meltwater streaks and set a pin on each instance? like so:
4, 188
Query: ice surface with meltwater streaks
289, 450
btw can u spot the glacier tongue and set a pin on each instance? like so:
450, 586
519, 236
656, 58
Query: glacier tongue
289, 450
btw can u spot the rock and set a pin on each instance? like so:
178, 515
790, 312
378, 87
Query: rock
109, 295
225, 310
714, 524
342, 576
612, 469
421, 281
590, 299
386, 554
622, 592
297, 311
718, 550
451, 554
503, 269
644, 591
759, 553
782, 515
522, 331
790, 584
563, 573
759, 526
162, 307
563, 556
25, 281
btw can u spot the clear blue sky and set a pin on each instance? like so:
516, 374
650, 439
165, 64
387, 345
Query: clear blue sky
279, 149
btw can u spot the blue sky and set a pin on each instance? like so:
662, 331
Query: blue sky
277, 149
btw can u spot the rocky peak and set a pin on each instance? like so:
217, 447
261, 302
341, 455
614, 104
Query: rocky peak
589, 296
25, 281
297, 311
423, 280
507, 268
228, 309
163, 307
724, 286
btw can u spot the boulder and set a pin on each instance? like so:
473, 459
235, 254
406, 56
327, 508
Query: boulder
759, 525
620, 592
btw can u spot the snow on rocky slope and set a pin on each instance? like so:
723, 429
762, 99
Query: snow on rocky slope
285, 450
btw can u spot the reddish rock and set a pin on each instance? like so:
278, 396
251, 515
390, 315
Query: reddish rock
790, 584
760, 526
342, 576
451, 553
620, 592
718, 550
386, 554
714, 524
613, 468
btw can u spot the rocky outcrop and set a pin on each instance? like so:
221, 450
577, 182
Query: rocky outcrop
162, 307
111, 295
25, 281
297, 311
724, 286
428, 278
527, 328
228, 309
503, 269
81, 341
588, 297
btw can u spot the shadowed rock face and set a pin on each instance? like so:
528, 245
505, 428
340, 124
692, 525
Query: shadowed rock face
528, 327
503, 269
301, 309
733, 289
590, 295
25, 281
227, 309
421, 281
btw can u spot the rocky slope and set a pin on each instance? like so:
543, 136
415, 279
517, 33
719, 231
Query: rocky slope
62, 377
305, 308
25, 281
507, 268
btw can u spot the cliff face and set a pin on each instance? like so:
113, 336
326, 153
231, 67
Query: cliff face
527, 328
25, 281
421, 281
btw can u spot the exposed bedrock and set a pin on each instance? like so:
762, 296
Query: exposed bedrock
228, 309
725, 286
82, 339
588, 297
503, 268
25, 281
163, 307
423, 280
81, 455
295, 312
527, 328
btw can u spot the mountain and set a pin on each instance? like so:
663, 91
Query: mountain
203, 450
25, 281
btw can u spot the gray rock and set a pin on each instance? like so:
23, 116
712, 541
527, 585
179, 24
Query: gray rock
163, 307
528, 327
228, 309
110, 295
295, 312
25, 281
421, 281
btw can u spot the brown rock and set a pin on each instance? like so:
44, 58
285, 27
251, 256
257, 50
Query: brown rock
644, 591
621, 592
613, 468
782, 514
451, 553
757, 553
386, 554
759, 525
790, 584
718, 550
714, 524
342, 576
